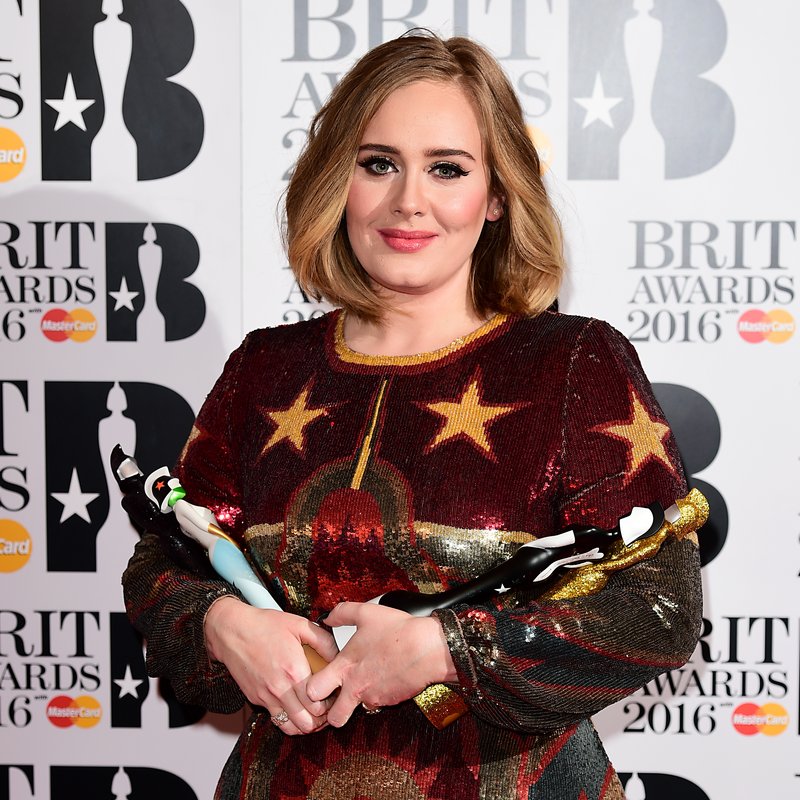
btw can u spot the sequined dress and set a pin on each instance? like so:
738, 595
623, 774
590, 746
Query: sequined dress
349, 475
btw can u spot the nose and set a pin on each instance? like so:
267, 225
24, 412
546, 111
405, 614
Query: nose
409, 198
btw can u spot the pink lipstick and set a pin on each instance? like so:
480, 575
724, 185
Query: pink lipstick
406, 241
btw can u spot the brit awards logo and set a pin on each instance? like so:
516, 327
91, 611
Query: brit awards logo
658, 786
696, 426
15, 775
83, 421
14, 407
110, 107
639, 104
13, 152
88, 783
131, 684
49, 279
116, 783
148, 297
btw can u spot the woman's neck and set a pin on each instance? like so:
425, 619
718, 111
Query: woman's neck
420, 325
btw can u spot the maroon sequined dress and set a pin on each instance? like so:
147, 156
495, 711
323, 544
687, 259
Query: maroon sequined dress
350, 475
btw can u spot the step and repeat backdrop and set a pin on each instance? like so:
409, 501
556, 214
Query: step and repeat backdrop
144, 147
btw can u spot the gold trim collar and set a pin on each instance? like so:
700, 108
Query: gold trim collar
349, 356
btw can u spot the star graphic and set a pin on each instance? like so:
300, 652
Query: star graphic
69, 107
75, 501
598, 106
291, 422
502, 589
194, 434
644, 435
128, 685
467, 418
123, 296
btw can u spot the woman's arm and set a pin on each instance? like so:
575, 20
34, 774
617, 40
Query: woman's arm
535, 665
168, 606
217, 654
167, 603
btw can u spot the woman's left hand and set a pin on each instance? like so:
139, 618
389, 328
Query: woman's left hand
391, 657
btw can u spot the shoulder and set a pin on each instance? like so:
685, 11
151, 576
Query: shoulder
284, 340
585, 348
570, 333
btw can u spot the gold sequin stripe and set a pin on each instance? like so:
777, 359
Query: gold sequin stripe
442, 706
366, 447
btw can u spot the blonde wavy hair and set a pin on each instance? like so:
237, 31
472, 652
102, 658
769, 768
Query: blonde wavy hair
517, 264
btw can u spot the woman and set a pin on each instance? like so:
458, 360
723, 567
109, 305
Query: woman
410, 441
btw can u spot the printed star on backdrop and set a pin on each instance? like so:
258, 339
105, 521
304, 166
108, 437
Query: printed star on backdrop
468, 418
128, 685
75, 500
598, 106
643, 434
291, 422
502, 589
124, 297
69, 107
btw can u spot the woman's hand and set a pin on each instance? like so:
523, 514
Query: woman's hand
263, 651
391, 657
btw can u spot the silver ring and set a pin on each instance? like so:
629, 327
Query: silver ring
280, 717
368, 710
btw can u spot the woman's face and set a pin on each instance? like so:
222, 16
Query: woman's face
419, 196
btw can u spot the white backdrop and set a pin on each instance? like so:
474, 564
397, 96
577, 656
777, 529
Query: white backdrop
139, 241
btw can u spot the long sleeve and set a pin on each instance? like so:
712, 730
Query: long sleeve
166, 603
538, 666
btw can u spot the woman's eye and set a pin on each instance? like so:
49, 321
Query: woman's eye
378, 165
449, 171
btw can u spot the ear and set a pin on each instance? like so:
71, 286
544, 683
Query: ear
495, 209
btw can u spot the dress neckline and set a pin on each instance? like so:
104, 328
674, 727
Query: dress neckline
349, 356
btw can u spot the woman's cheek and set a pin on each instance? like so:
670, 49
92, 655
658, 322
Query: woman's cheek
464, 210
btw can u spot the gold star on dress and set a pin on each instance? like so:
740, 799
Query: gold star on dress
468, 419
643, 434
193, 434
292, 422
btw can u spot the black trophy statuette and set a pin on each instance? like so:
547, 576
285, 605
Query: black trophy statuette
147, 516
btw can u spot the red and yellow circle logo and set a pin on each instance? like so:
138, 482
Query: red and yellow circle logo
15, 546
13, 154
756, 326
82, 712
59, 325
770, 719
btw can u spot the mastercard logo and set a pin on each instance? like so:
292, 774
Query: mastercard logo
770, 719
82, 712
15, 546
12, 154
59, 325
756, 326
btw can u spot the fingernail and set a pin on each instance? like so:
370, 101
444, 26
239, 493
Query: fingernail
321, 621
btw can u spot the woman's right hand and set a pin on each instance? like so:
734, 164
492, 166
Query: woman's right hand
263, 651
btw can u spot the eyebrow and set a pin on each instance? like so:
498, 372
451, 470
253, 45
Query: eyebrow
438, 152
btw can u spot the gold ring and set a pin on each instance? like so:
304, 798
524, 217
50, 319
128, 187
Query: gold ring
280, 717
